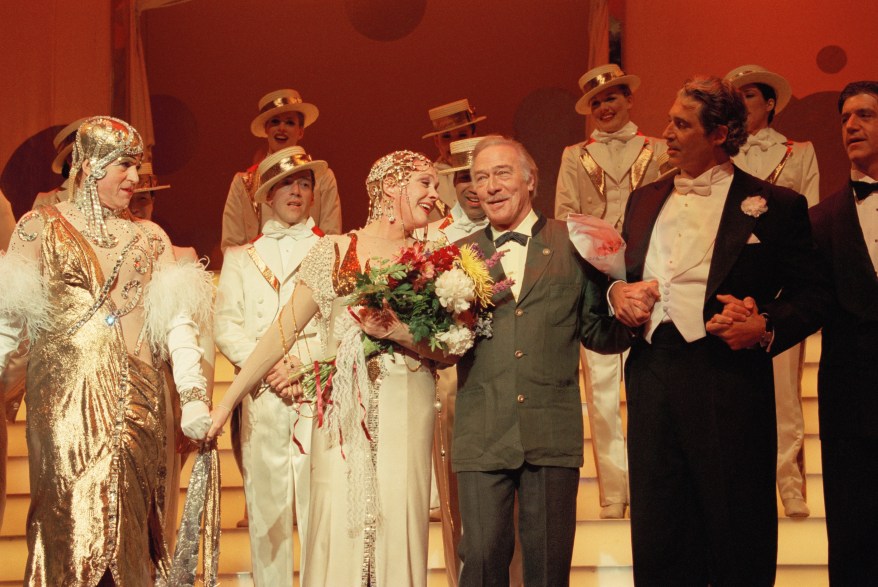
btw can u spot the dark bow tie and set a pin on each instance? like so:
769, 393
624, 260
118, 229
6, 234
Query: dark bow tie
511, 236
863, 189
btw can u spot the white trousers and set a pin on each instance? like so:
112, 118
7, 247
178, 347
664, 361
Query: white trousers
603, 380
277, 479
788, 368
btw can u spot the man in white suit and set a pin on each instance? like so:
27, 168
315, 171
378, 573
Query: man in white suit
256, 282
595, 178
768, 155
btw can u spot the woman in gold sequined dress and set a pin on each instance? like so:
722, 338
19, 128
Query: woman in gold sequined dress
369, 494
103, 303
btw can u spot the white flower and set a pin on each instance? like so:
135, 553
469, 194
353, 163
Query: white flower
456, 340
754, 206
455, 290
485, 325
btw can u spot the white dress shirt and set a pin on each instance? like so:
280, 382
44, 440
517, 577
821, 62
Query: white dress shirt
680, 252
516, 255
867, 212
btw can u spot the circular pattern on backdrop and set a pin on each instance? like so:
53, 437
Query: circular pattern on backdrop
545, 122
176, 134
831, 59
385, 20
29, 170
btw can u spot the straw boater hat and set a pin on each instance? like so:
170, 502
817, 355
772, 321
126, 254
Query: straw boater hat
148, 180
63, 143
461, 155
452, 116
284, 163
601, 78
279, 102
755, 74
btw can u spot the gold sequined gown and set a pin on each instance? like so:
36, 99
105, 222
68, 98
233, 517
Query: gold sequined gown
392, 552
95, 422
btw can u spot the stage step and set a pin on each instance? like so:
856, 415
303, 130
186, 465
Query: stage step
602, 552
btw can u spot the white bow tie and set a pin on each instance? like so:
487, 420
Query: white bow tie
468, 226
622, 135
700, 186
276, 230
752, 141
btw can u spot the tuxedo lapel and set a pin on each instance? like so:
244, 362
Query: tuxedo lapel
639, 225
852, 261
539, 253
735, 228
629, 155
486, 245
600, 152
269, 251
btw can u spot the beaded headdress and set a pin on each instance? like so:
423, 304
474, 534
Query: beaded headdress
398, 167
100, 141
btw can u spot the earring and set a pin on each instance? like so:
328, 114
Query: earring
391, 217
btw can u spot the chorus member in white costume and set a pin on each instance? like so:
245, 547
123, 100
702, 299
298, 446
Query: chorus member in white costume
63, 143
595, 178
451, 122
768, 155
368, 519
255, 282
282, 120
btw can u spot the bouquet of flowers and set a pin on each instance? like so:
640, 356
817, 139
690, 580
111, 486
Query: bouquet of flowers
599, 243
442, 292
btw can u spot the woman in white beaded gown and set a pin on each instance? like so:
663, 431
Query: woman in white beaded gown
369, 494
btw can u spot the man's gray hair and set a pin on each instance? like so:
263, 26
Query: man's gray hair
528, 165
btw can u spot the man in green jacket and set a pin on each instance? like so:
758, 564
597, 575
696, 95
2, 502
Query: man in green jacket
519, 418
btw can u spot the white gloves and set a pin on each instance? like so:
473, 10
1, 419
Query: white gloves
195, 420
186, 362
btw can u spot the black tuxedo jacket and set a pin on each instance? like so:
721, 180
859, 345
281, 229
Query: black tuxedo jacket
778, 271
848, 379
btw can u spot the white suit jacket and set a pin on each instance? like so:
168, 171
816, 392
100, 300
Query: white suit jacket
799, 172
576, 192
247, 303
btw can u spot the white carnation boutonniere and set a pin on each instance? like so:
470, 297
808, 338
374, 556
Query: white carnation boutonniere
754, 206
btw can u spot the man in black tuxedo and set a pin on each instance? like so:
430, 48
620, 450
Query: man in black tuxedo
518, 423
846, 231
709, 250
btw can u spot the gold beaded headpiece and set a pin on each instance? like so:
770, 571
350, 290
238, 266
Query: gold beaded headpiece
100, 140
398, 167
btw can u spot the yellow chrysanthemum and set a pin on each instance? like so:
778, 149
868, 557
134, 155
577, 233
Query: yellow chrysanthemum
474, 266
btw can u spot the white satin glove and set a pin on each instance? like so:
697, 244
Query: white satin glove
195, 420
185, 353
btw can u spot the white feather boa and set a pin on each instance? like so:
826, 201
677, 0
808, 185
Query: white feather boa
180, 287
24, 298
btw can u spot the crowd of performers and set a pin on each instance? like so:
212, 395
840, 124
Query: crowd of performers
732, 260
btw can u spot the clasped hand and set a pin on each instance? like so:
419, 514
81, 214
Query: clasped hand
740, 324
632, 302
381, 324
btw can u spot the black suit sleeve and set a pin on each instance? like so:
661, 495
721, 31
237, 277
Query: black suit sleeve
600, 332
801, 306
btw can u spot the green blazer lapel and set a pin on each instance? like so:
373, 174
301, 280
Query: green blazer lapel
735, 227
484, 240
539, 253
